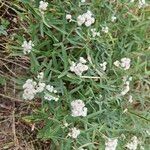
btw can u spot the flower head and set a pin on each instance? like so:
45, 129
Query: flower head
126, 85
80, 20
43, 6
142, 3
74, 133
113, 18
49, 94
27, 47
86, 19
29, 89
133, 144
124, 63
103, 65
80, 67
40, 87
130, 99
105, 29
40, 75
50, 97
69, 17
82, 60
95, 33
78, 108
111, 144
117, 63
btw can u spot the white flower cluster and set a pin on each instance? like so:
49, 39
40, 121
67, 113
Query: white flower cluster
86, 19
83, 1
123, 63
142, 3
80, 67
40, 76
40, 87
69, 17
95, 33
78, 108
27, 47
43, 6
105, 29
126, 85
113, 18
74, 133
130, 99
111, 144
133, 144
131, 1
49, 93
31, 88
103, 65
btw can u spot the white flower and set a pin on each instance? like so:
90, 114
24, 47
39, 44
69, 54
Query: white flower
50, 97
89, 22
50, 88
83, 1
27, 47
103, 65
82, 60
29, 84
142, 3
79, 68
29, 89
126, 88
69, 17
117, 63
80, 20
43, 6
74, 133
130, 99
113, 18
66, 124
125, 63
94, 33
73, 64
105, 29
78, 108
40, 87
40, 75
86, 19
88, 15
28, 94
111, 144
133, 144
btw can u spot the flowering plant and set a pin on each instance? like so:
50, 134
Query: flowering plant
87, 72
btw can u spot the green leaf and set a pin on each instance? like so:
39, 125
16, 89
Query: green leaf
3, 30
2, 80
34, 63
